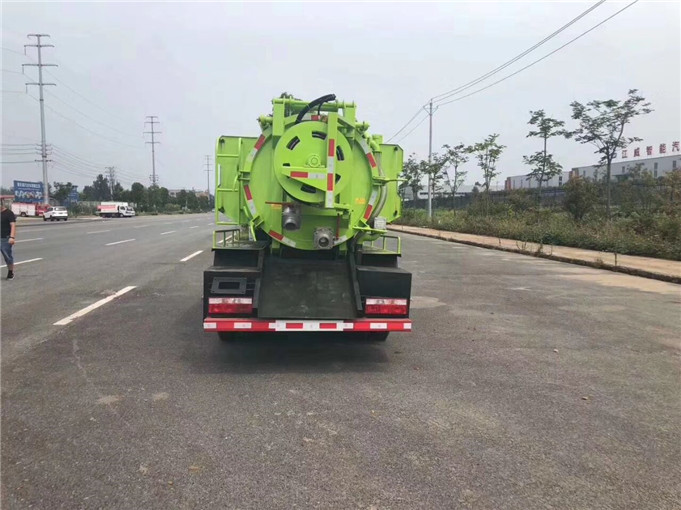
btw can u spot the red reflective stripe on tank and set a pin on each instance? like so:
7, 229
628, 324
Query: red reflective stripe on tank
329, 182
368, 212
260, 142
371, 159
294, 325
247, 190
276, 235
300, 174
332, 148
328, 325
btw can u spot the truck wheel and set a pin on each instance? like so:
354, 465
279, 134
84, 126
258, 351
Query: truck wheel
23, 214
226, 336
65, 219
44, 219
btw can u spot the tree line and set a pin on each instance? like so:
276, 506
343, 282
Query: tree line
146, 199
600, 123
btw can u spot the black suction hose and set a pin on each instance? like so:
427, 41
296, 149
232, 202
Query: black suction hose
317, 102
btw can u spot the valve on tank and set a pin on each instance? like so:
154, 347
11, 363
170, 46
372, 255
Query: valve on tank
291, 217
323, 238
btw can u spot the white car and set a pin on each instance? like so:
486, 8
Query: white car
56, 213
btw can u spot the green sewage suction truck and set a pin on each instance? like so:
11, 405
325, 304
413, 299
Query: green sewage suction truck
301, 243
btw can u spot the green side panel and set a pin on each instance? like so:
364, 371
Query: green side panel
230, 154
392, 157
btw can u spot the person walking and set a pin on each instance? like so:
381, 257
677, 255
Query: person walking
8, 230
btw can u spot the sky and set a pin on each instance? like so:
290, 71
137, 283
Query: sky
210, 69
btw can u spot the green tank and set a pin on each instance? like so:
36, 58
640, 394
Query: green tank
303, 244
314, 179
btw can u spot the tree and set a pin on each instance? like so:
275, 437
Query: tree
487, 153
580, 197
412, 176
138, 195
541, 162
99, 190
601, 123
456, 156
61, 191
433, 170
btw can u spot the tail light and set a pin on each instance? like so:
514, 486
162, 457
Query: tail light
386, 306
230, 305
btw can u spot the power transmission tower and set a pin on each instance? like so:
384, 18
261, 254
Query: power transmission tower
152, 121
208, 176
41, 84
111, 171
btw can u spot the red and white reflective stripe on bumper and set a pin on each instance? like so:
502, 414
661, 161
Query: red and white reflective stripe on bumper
262, 325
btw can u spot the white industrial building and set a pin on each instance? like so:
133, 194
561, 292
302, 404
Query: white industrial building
525, 182
656, 166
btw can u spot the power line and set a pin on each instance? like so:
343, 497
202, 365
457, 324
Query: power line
91, 118
16, 162
412, 129
445, 95
403, 127
471, 83
542, 58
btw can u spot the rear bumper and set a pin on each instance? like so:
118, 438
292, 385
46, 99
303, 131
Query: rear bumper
271, 326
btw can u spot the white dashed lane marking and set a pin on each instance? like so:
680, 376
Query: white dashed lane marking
29, 240
93, 306
190, 256
24, 262
119, 242
169, 232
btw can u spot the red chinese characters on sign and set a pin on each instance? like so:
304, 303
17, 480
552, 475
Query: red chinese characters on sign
675, 146
624, 154
649, 150
663, 148
637, 152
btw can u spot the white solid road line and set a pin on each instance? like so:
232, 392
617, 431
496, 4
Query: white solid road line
142, 226
24, 262
98, 231
119, 242
93, 306
28, 240
190, 256
195, 226
169, 232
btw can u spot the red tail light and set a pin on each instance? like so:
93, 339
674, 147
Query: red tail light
230, 305
385, 306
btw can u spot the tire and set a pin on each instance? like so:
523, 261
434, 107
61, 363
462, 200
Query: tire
44, 219
51, 219
23, 215
65, 219
224, 336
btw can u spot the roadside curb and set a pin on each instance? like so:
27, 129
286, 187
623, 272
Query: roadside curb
540, 254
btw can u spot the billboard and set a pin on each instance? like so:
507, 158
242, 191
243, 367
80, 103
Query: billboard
28, 192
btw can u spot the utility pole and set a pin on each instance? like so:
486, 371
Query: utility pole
208, 176
41, 84
152, 121
430, 158
111, 170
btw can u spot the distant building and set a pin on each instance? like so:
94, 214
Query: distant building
525, 182
657, 167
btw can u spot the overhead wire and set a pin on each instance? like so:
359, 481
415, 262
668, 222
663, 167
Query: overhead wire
542, 58
465, 86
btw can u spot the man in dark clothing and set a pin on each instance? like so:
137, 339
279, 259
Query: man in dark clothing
7, 232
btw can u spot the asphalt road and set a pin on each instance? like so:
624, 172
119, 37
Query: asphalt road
525, 384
